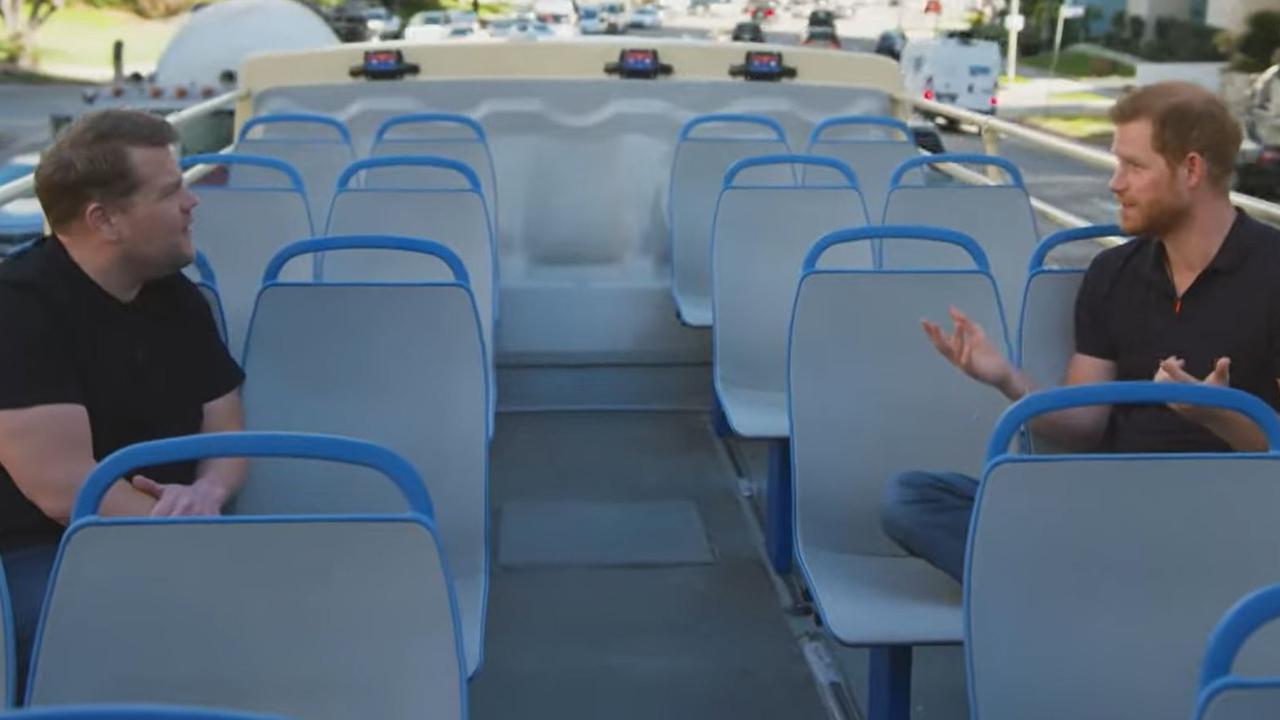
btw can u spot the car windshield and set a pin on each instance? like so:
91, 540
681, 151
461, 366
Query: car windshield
376, 13
428, 18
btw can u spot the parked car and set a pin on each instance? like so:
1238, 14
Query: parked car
747, 32
1258, 171
890, 44
382, 23
646, 17
821, 36
428, 25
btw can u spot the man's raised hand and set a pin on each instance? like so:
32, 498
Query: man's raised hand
968, 348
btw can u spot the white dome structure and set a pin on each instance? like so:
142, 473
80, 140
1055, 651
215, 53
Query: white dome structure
221, 35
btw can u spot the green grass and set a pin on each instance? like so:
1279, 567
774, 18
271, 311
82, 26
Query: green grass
1078, 64
1078, 128
82, 36
1077, 97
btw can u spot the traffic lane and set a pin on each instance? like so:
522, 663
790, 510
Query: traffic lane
1060, 181
25, 111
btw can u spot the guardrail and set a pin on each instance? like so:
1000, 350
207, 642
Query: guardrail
25, 186
992, 127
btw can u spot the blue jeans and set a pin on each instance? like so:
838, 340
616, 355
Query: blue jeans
928, 515
27, 571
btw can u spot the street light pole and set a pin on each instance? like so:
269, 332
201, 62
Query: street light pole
1013, 21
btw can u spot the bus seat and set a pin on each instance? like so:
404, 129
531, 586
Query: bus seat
318, 146
332, 616
238, 228
448, 135
706, 146
1225, 695
873, 153
206, 281
401, 365
1046, 324
1110, 570
999, 217
759, 238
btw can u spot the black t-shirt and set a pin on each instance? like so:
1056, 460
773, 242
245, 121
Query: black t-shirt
1128, 312
143, 370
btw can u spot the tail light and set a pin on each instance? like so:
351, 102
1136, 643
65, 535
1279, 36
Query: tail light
928, 94
1269, 156
994, 101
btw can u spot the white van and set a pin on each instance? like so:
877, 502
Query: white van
954, 70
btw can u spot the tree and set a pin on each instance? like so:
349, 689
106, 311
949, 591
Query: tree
20, 27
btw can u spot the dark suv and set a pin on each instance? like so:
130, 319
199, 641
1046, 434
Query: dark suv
748, 32
822, 18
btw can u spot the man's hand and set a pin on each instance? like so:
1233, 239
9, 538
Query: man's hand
968, 348
1173, 369
179, 500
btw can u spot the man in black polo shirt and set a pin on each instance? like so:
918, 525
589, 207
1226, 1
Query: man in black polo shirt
1194, 298
105, 344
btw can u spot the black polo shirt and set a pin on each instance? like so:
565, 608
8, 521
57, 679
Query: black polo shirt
1127, 312
142, 369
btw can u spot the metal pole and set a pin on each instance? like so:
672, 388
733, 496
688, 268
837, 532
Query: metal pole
1057, 38
1015, 11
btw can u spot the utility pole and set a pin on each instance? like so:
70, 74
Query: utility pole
1013, 22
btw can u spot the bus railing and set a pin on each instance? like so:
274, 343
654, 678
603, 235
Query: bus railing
992, 127
24, 186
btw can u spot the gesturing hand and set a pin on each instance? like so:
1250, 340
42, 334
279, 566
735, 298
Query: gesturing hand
1172, 369
176, 500
968, 348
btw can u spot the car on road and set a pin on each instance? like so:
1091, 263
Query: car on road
821, 36
646, 17
890, 43
747, 32
382, 23
428, 25
822, 17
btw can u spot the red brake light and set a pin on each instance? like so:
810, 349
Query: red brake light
994, 101
1269, 156
928, 94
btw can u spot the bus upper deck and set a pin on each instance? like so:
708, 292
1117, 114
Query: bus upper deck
642, 320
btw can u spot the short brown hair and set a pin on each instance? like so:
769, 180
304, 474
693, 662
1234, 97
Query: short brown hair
1185, 118
89, 162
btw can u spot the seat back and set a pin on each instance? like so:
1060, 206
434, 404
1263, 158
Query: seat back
346, 615
201, 273
705, 148
447, 135
869, 395
453, 215
1223, 694
403, 366
998, 217
872, 146
1046, 323
318, 146
8, 665
1073, 571
132, 712
759, 239
237, 228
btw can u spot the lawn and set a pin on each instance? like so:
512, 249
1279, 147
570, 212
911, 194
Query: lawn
1078, 64
79, 35
1088, 129
1077, 97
